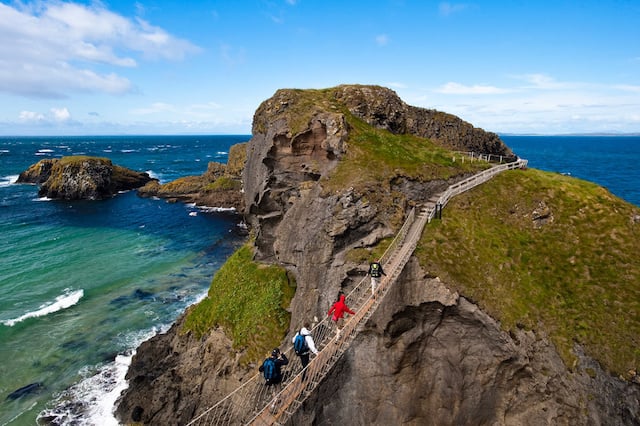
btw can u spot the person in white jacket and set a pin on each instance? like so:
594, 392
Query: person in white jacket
304, 351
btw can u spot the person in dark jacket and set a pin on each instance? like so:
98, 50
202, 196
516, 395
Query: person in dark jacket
279, 359
376, 272
338, 309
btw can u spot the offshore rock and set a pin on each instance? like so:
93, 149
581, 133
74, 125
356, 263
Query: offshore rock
81, 178
220, 186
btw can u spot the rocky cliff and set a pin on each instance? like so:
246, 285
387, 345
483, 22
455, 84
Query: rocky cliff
81, 177
329, 176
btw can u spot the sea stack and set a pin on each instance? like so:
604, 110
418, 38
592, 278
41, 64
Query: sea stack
81, 178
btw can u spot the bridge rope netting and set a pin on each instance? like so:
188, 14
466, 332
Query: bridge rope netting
257, 404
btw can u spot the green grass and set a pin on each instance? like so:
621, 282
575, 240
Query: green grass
376, 156
248, 300
224, 183
577, 277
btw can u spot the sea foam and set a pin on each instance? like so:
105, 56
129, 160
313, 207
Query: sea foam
8, 180
64, 301
92, 401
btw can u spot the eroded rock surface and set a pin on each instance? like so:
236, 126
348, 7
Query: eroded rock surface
80, 177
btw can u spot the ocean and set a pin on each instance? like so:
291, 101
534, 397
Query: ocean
84, 283
609, 161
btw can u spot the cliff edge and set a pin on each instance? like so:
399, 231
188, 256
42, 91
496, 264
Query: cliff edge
328, 179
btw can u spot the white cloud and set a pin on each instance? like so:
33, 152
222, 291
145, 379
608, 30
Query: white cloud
452, 88
447, 9
382, 40
537, 103
60, 114
57, 115
627, 88
51, 48
30, 116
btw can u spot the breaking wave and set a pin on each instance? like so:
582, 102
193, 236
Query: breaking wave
64, 301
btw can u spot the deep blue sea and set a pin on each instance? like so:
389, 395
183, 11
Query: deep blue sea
610, 161
83, 283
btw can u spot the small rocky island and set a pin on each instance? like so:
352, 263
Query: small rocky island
81, 178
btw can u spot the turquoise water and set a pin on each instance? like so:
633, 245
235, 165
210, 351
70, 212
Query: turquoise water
83, 283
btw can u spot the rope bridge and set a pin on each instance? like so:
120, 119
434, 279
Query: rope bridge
255, 403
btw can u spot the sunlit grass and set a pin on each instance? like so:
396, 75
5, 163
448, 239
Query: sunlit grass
248, 300
576, 277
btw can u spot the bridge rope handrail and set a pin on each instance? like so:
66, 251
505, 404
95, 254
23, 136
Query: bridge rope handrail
239, 406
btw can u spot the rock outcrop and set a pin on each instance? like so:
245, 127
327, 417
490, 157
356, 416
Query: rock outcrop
382, 108
427, 356
220, 186
81, 178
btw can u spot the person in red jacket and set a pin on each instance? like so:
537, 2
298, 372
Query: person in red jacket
338, 309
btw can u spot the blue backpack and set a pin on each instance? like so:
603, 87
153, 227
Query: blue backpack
269, 369
300, 345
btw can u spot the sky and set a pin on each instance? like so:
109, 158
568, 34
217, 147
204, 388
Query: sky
204, 66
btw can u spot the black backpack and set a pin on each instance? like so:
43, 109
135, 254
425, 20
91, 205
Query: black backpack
300, 344
269, 369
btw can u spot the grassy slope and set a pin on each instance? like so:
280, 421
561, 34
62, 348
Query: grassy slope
577, 277
248, 300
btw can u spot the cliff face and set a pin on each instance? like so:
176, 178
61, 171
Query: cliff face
79, 177
428, 356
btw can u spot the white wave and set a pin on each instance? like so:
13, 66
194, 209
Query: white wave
126, 151
64, 301
4, 151
222, 153
42, 199
92, 401
45, 150
8, 180
216, 209
153, 175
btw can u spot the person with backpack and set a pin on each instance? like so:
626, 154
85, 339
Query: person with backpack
338, 309
271, 367
375, 271
303, 344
